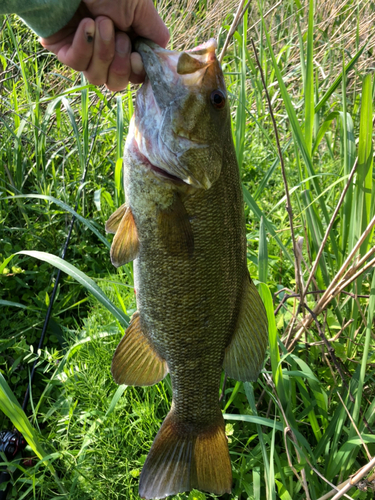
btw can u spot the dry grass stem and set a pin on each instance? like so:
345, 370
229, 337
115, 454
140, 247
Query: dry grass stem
339, 282
289, 432
355, 427
355, 479
236, 21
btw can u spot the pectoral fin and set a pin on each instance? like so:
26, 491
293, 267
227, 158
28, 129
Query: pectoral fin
113, 222
175, 229
125, 245
136, 361
245, 353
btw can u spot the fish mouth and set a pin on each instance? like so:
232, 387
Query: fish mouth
174, 88
171, 70
159, 70
159, 172
167, 175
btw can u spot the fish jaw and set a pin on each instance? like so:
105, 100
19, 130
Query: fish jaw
177, 127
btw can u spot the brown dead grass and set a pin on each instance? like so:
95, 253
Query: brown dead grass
335, 27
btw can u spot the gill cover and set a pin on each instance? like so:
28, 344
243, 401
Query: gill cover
178, 127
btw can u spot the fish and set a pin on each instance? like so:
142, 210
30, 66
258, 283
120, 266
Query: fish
183, 225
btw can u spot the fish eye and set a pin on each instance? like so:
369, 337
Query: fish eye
218, 99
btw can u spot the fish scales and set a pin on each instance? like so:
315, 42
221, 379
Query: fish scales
183, 223
190, 305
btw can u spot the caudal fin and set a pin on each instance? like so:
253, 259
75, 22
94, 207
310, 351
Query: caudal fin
183, 458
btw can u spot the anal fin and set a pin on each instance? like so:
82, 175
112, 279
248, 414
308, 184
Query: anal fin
136, 361
245, 354
125, 245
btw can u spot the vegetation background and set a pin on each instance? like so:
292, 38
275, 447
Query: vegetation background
306, 425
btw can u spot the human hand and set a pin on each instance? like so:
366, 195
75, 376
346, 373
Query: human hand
90, 44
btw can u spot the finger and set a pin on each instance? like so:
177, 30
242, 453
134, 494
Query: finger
75, 49
148, 23
120, 69
138, 71
104, 51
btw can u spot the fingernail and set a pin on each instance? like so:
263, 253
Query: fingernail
106, 30
121, 46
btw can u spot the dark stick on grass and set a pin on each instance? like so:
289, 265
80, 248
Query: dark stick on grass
288, 202
313, 292
56, 284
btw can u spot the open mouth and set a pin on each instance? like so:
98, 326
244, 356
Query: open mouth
157, 170
165, 174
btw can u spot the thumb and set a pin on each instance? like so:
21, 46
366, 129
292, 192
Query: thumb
148, 24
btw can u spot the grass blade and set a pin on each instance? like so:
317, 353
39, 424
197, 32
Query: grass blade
259, 214
66, 207
262, 253
338, 79
266, 297
363, 193
12, 409
83, 279
309, 81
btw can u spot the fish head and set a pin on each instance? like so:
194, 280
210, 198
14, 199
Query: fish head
182, 114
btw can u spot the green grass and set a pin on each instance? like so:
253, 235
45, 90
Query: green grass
290, 436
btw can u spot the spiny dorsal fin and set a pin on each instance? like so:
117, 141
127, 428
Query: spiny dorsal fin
113, 222
175, 229
136, 361
245, 354
125, 245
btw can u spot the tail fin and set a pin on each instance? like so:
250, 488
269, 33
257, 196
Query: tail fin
183, 457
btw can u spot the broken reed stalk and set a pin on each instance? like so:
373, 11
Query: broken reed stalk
355, 479
342, 279
296, 249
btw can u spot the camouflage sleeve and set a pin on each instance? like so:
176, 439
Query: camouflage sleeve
45, 17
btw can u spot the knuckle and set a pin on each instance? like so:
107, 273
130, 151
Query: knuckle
106, 55
96, 79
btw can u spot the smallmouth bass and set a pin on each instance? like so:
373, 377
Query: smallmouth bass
183, 225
